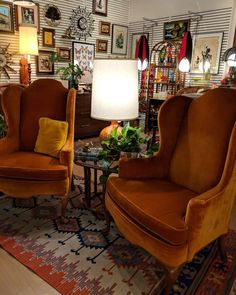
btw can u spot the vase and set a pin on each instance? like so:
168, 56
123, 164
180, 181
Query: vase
129, 154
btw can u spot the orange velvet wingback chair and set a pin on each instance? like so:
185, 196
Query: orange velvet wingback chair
180, 200
23, 172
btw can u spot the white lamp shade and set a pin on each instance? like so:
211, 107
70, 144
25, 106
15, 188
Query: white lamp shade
28, 40
24, 2
115, 89
231, 62
142, 65
184, 65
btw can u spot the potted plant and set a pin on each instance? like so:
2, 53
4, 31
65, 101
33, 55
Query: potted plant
3, 126
71, 73
125, 142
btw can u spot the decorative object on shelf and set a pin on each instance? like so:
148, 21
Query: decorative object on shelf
82, 23
64, 54
175, 30
142, 52
105, 28
164, 78
83, 55
101, 45
24, 2
230, 79
114, 92
44, 64
210, 44
185, 54
119, 39
48, 37
28, 15
68, 34
6, 17
100, 7
28, 45
135, 39
229, 57
52, 15
72, 73
6, 61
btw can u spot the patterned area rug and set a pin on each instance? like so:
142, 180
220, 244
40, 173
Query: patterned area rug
75, 258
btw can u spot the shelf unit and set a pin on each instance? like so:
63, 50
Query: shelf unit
164, 78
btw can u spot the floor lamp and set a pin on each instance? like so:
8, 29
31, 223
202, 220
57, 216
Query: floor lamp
28, 43
114, 92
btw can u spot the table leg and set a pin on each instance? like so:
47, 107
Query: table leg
87, 182
95, 182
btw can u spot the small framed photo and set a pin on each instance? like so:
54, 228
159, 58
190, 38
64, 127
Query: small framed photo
119, 39
100, 7
6, 17
101, 46
64, 54
105, 28
175, 30
44, 64
135, 39
48, 37
27, 15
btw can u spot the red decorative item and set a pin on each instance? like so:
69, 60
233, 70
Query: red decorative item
186, 47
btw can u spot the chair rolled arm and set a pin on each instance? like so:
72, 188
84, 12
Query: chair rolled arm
8, 145
142, 168
66, 153
207, 218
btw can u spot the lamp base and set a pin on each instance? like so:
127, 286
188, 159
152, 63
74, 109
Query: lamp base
105, 133
25, 71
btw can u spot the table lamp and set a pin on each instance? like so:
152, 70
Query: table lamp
28, 39
114, 92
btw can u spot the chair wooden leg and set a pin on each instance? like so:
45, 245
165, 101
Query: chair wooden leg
171, 277
108, 218
64, 203
221, 245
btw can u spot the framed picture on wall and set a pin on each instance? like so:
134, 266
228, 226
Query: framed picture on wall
175, 30
27, 15
44, 65
105, 28
101, 46
64, 54
6, 17
202, 43
100, 7
135, 39
48, 37
83, 55
119, 39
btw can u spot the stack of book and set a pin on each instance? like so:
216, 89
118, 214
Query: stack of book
90, 155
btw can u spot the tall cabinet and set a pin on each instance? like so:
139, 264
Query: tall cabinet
164, 78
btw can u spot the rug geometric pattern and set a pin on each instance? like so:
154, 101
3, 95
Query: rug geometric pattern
75, 258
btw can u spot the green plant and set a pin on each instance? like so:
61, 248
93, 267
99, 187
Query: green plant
71, 73
3, 126
128, 140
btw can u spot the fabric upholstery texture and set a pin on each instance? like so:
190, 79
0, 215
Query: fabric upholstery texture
51, 137
180, 200
24, 173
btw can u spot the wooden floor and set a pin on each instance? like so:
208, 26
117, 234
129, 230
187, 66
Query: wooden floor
16, 279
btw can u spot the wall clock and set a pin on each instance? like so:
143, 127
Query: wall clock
82, 23
52, 15
6, 61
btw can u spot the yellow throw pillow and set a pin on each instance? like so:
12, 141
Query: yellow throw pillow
51, 137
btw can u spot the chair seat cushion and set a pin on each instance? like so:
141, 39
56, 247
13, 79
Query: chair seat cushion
157, 205
31, 166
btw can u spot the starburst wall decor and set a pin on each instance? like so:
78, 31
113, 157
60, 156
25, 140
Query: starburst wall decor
6, 61
82, 22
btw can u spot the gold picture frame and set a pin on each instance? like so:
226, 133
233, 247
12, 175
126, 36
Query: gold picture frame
48, 37
6, 17
101, 45
44, 64
105, 28
64, 54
